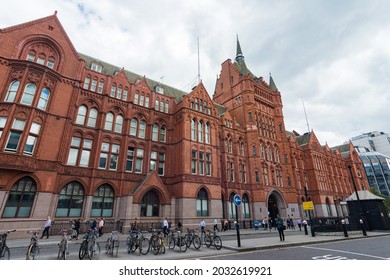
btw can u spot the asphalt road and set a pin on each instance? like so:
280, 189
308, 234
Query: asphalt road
377, 248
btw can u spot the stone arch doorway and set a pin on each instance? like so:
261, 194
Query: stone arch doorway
276, 205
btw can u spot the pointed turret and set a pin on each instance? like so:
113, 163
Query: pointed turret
272, 85
240, 62
239, 55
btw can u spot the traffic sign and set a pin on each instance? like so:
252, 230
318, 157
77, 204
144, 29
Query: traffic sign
237, 200
308, 205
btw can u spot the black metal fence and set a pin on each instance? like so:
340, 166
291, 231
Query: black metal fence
321, 224
109, 225
334, 224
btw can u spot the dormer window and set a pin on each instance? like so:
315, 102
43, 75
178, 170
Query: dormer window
96, 67
159, 89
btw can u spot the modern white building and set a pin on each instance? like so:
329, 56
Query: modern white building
375, 141
377, 168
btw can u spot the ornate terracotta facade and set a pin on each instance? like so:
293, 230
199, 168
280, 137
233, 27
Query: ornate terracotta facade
83, 138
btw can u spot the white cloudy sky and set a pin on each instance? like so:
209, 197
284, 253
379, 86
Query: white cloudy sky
332, 55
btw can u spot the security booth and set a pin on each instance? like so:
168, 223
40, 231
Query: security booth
372, 210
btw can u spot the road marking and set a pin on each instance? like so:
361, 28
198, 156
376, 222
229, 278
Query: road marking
346, 252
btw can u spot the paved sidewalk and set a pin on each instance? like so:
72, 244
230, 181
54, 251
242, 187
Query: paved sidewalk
249, 239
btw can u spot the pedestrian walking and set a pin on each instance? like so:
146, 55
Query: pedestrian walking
292, 226
279, 224
225, 225
165, 227
299, 224
76, 227
216, 225
180, 226
46, 228
134, 225
264, 223
202, 226
256, 224
270, 223
101, 225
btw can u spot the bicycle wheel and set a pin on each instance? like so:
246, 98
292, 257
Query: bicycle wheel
155, 246
116, 247
171, 242
83, 249
59, 256
207, 240
197, 242
109, 246
5, 254
129, 242
188, 239
217, 242
33, 252
162, 246
144, 245
93, 249
96, 252
182, 244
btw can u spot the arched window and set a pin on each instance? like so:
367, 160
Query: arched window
109, 121
133, 127
202, 203
12, 90
119, 93
103, 202
43, 99
246, 212
200, 131
155, 132
81, 114
150, 205
163, 134
207, 133
28, 94
92, 117
142, 129
71, 200
118, 124
232, 207
193, 130
20, 199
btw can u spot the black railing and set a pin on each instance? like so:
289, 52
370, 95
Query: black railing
109, 226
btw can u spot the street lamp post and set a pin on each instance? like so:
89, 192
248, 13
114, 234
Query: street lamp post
361, 212
311, 221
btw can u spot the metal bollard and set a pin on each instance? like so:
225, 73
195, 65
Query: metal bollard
238, 234
344, 226
363, 227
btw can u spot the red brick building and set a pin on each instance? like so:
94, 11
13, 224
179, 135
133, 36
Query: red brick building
81, 138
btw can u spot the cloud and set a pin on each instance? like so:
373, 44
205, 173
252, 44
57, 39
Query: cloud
335, 55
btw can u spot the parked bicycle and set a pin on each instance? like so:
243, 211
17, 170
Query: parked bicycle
192, 237
137, 240
33, 248
211, 238
157, 242
63, 246
4, 250
90, 246
112, 244
177, 239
